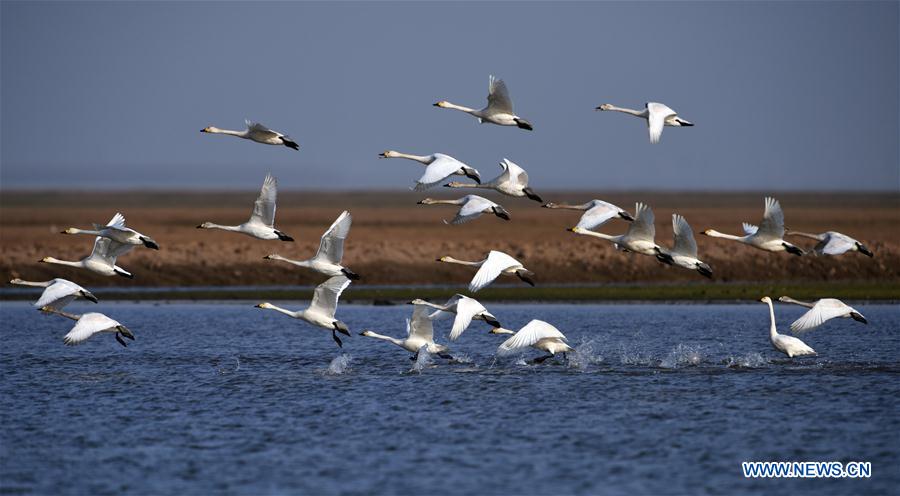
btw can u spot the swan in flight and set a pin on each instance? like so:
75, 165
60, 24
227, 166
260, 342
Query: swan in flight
88, 324
684, 253
499, 109
833, 243
536, 334
491, 267
58, 292
102, 259
657, 116
822, 311
331, 250
466, 310
419, 334
117, 232
513, 181
258, 133
639, 238
262, 221
596, 213
321, 310
769, 236
438, 167
472, 208
789, 345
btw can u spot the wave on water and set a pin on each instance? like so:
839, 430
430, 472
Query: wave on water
682, 355
423, 361
226, 366
632, 357
584, 356
751, 360
339, 365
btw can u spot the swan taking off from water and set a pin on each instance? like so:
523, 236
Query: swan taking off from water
472, 208
258, 133
58, 293
491, 267
262, 220
684, 253
466, 310
117, 231
536, 334
513, 181
833, 243
102, 259
657, 116
331, 250
769, 236
419, 333
597, 213
89, 324
639, 238
822, 311
437, 168
321, 310
499, 109
789, 345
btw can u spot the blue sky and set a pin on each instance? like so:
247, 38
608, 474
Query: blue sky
785, 96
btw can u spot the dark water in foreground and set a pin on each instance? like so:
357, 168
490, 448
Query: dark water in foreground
226, 398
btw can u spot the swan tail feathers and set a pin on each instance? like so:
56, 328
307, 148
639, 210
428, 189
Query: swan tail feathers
353, 276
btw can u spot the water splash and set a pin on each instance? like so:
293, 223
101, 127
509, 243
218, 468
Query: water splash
224, 367
629, 357
339, 365
423, 361
584, 356
749, 361
462, 358
682, 356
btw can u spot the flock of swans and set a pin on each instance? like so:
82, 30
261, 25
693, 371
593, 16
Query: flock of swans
114, 240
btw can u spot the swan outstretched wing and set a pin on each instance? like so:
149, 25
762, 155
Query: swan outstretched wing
58, 294
325, 297
685, 244
88, 325
260, 131
466, 309
642, 227
107, 251
442, 167
823, 310
498, 96
495, 263
749, 229
772, 225
118, 221
514, 173
657, 114
420, 324
835, 245
599, 213
264, 207
331, 247
533, 332
472, 209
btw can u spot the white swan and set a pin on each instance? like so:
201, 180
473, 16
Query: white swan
833, 243
88, 324
657, 116
437, 168
58, 292
331, 250
491, 267
684, 252
499, 109
472, 208
639, 238
597, 213
769, 236
513, 181
258, 133
789, 345
466, 309
102, 259
822, 311
419, 334
262, 220
321, 310
117, 231
536, 334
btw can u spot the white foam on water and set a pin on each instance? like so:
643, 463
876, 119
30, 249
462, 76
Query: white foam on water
339, 365
751, 360
682, 355
583, 356
423, 361
630, 357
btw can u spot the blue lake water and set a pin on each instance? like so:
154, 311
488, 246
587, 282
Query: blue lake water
227, 398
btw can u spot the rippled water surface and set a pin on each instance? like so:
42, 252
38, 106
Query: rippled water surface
231, 399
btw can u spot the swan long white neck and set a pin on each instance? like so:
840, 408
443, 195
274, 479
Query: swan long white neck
773, 331
31, 283
447, 202
284, 311
215, 130
568, 206
210, 225
61, 313
456, 184
788, 299
600, 235
423, 159
434, 305
716, 234
636, 113
460, 108
300, 263
398, 342
805, 235
75, 230
57, 261
461, 262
